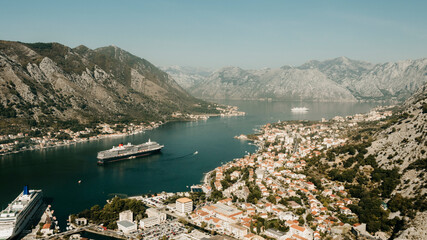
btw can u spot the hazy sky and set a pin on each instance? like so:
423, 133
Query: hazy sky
249, 34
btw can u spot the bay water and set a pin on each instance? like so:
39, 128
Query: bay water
57, 171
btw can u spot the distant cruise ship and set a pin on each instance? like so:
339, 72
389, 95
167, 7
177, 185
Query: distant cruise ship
16, 216
299, 109
129, 151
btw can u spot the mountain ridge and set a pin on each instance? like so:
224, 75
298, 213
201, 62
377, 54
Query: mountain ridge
44, 83
350, 80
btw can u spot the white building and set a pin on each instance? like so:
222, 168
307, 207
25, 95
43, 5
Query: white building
149, 222
126, 215
237, 230
81, 221
152, 212
296, 231
286, 216
259, 173
274, 233
125, 223
154, 217
184, 205
126, 226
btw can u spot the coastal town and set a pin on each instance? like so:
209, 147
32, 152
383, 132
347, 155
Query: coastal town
268, 194
35, 139
213, 120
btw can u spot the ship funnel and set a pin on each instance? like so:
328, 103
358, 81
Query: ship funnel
26, 191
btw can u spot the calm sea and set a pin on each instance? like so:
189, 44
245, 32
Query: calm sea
58, 170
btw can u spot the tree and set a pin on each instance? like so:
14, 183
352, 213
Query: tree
272, 199
309, 217
301, 220
183, 221
300, 211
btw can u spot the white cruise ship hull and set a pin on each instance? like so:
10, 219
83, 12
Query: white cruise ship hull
7, 233
14, 219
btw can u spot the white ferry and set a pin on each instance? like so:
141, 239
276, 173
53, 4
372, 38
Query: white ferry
18, 213
299, 109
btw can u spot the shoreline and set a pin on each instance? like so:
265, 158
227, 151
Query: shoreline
233, 113
262, 151
77, 142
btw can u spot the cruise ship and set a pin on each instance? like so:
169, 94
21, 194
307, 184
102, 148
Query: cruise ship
299, 109
18, 213
128, 151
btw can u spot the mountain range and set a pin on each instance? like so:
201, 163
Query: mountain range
339, 79
43, 83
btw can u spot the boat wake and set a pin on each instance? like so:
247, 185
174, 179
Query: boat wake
184, 156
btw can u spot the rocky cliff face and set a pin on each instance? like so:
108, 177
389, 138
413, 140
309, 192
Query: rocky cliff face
339, 79
390, 80
403, 145
187, 76
45, 82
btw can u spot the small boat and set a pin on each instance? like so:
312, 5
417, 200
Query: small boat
80, 181
196, 152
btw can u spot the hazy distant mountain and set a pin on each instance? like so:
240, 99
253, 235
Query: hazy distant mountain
49, 82
339, 79
283, 84
390, 80
340, 69
187, 77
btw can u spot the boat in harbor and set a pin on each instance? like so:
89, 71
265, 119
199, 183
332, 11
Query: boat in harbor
128, 151
15, 217
299, 109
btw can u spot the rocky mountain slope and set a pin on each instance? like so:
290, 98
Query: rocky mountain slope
383, 167
47, 83
187, 77
339, 79
280, 84
403, 145
388, 173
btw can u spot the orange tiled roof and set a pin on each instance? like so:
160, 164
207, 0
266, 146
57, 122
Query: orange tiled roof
299, 228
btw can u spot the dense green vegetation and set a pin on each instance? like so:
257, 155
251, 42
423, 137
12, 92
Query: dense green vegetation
419, 164
254, 193
262, 224
109, 214
371, 187
227, 181
7, 112
425, 108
